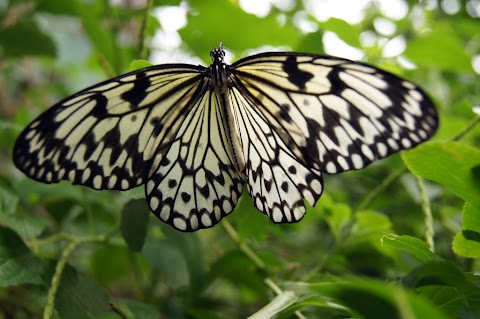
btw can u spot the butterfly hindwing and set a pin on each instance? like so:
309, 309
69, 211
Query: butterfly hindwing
278, 182
196, 183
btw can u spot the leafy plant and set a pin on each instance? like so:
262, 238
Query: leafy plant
398, 239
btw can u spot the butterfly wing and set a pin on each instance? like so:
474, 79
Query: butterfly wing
278, 181
159, 126
196, 183
334, 114
106, 136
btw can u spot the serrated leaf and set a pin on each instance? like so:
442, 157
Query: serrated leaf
135, 217
27, 226
17, 264
78, 297
450, 164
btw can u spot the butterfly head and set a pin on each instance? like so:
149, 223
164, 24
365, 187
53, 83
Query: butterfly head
218, 55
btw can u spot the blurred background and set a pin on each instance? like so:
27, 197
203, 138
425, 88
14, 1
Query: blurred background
124, 263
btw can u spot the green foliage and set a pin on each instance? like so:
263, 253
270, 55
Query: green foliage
381, 242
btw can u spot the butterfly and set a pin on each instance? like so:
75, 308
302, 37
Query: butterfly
195, 135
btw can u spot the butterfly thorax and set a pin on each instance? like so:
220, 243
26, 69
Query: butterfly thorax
220, 83
219, 70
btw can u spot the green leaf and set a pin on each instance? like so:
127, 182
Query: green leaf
56, 7
248, 221
204, 31
345, 31
25, 38
17, 264
78, 297
139, 64
414, 246
109, 263
235, 267
370, 226
190, 246
135, 217
277, 305
440, 48
371, 299
28, 226
435, 273
467, 242
445, 285
8, 201
336, 215
449, 163
167, 259
141, 310
463, 304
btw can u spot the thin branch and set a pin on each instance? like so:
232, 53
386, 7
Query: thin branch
367, 201
467, 129
59, 269
142, 51
427, 212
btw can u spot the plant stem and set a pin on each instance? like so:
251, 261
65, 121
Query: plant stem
427, 212
57, 276
380, 188
142, 53
467, 129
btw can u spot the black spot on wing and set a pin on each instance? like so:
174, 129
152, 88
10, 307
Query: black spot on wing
156, 122
186, 197
296, 76
138, 92
100, 109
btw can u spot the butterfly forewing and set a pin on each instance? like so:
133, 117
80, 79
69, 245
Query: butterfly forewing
107, 136
335, 114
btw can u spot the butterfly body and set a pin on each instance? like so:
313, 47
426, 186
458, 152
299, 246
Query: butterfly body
194, 135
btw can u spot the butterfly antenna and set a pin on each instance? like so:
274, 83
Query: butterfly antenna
231, 51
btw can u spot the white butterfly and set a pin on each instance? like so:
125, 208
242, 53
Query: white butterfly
195, 135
